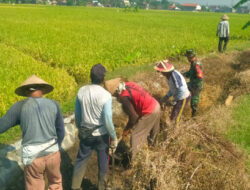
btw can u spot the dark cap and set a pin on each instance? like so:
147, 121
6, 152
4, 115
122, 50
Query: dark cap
97, 73
190, 53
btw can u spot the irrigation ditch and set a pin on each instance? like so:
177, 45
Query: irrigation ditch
195, 155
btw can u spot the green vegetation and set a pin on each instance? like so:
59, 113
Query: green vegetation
61, 44
240, 130
75, 38
15, 67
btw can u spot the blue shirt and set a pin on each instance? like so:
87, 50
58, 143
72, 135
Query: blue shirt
40, 120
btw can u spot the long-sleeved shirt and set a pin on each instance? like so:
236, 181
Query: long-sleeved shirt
93, 108
223, 29
177, 86
195, 74
41, 122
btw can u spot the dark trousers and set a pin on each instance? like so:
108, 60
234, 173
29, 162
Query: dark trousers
221, 39
86, 146
178, 109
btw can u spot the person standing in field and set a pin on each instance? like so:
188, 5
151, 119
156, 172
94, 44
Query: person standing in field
195, 74
223, 33
143, 111
177, 88
93, 117
42, 128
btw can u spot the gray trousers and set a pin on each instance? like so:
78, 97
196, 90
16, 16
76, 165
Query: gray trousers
145, 130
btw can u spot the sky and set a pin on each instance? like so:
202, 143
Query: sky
209, 2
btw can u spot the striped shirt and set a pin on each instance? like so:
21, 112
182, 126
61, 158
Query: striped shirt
223, 29
177, 86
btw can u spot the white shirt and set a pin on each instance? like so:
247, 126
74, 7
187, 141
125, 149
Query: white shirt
92, 99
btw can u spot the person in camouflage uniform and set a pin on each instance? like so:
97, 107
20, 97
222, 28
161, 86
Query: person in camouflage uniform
195, 74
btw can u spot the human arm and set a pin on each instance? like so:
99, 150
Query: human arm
78, 112
227, 30
199, 72
130, 111
60, 131
187, 74
218, 29
166, 97
108, 120
11, 118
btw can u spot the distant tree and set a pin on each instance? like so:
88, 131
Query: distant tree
239, 4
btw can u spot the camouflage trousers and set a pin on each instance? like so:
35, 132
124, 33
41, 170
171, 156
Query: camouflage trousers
195, 96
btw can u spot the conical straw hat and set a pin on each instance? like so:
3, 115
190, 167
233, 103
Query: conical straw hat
112, 85
224, 17
31, 84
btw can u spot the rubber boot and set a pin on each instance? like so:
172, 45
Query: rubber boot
102, 181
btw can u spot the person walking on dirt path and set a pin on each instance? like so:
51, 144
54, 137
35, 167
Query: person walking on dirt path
93, 117
223, 33
42, 128
142, 109
195, 74
177, 88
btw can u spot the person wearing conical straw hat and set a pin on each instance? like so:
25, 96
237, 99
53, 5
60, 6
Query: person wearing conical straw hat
223, 33
93, 118
177, 88
42, 129
143, 111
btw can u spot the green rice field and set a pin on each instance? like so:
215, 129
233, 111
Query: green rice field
61, 44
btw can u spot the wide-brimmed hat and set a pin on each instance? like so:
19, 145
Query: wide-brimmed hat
164, 66
190, 53
31, 84
224, 17
112, 85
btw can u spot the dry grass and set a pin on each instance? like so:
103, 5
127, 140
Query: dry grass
195, 155
190, 158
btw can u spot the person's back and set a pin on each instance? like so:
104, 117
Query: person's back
223, 33
92, 99
37, 120
93, 117
223, 29
42, 128
178, 86
144, 102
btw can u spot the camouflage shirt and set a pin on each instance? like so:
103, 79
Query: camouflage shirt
195, 74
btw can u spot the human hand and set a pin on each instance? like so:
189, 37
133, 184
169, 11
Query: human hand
113, 145
163, 100
125, 133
